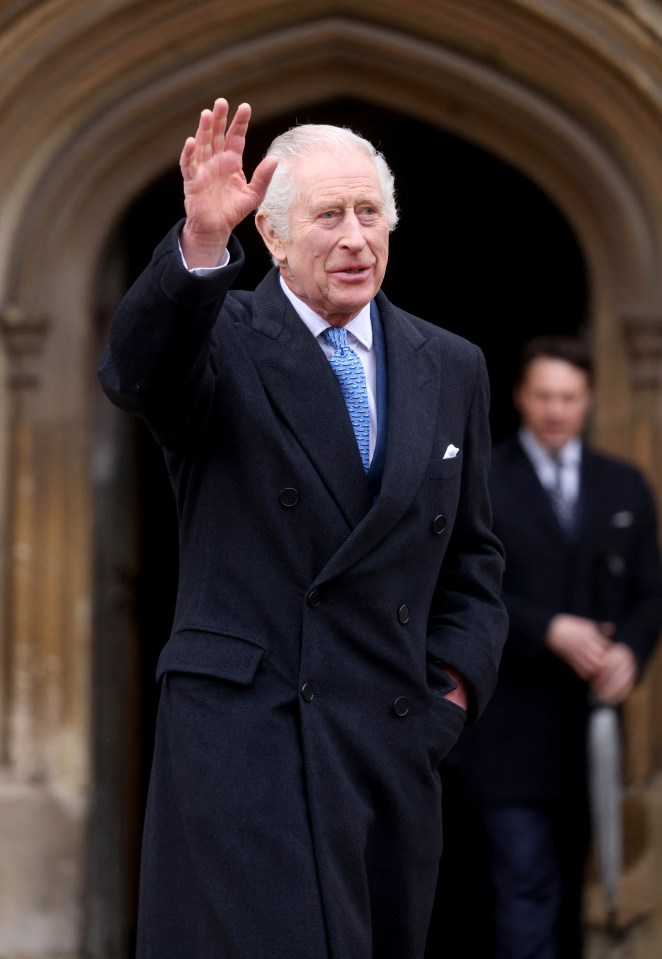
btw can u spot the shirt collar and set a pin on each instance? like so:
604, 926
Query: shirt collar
570, 454
360, 326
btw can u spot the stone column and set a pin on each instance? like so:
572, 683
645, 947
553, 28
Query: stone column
644, 342
22, 663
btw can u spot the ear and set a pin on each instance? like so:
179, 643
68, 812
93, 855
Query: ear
517, 397
272, 242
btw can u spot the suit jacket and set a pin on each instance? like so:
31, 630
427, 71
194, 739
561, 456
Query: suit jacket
294, 804
531, 741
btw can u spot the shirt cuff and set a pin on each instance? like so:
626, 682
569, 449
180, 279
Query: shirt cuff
205, 270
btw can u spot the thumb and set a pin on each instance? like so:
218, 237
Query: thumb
261, 179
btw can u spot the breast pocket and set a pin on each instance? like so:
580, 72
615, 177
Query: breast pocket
444, 479
445, 468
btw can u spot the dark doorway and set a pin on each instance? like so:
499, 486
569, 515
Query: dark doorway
479, 250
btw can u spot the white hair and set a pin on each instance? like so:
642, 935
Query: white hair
311, 139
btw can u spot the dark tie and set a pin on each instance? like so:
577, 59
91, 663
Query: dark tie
347, 366
563, 505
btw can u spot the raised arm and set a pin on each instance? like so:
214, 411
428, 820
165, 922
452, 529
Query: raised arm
217, 195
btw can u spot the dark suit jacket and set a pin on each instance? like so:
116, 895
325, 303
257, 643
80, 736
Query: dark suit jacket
295, 794
531, 741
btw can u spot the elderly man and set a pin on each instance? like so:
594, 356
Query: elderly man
338, 617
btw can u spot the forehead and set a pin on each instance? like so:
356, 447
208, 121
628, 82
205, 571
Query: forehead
550, 373
336, 175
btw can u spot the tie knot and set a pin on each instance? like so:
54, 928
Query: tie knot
336, 336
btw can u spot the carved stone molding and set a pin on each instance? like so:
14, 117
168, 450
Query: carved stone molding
23, 334
644, 341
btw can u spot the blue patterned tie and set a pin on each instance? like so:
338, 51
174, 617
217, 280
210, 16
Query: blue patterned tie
348, 368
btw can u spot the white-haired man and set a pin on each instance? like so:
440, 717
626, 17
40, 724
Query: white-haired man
338, 615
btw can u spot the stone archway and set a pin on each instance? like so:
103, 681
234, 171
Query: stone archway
452, 259
571, 97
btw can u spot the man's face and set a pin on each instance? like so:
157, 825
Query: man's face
336, 254
553, 401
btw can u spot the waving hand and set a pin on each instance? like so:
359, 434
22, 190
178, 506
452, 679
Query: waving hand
217, 195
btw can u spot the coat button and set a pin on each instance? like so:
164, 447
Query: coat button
616, 564
289, 496
439, 524
307, 692
314, 597
403, 614
401, 706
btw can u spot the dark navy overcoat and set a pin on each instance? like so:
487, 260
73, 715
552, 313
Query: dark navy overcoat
294, 805
531, 743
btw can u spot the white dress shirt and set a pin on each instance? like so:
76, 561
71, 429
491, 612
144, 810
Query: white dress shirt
545, 462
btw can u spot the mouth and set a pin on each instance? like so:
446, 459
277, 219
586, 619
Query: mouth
353, 271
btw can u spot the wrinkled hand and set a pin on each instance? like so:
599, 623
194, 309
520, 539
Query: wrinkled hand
616, 676
459, 695
217, 196
579, 642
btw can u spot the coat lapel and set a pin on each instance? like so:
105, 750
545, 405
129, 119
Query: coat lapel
525, 487
592, 512
302, 384
414, 383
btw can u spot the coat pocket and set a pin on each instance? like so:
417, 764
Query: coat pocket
210, 654
445, 469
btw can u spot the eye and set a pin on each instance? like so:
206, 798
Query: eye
368, 213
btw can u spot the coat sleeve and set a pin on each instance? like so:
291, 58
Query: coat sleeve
468, 622
628, 576
157, 364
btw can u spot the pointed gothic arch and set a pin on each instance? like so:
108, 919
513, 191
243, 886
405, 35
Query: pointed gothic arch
98, 102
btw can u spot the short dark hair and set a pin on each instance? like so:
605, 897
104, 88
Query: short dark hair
571, 349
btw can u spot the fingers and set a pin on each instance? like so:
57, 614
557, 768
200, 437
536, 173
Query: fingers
187, 159
211, 128
236, 134
611, 690
209, 136
617, 676
261, 178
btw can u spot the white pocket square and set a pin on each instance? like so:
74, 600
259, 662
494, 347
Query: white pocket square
451, 451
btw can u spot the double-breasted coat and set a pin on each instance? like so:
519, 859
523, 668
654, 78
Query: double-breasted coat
294, 804
530, 743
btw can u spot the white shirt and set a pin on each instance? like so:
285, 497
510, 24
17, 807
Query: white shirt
359, 337
545, 463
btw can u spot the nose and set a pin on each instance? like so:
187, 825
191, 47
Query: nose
557, 408
352, 232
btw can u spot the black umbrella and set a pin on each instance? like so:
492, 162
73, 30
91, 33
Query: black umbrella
604, 743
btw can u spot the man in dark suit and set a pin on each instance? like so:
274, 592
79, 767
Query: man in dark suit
583, 590
338, 617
